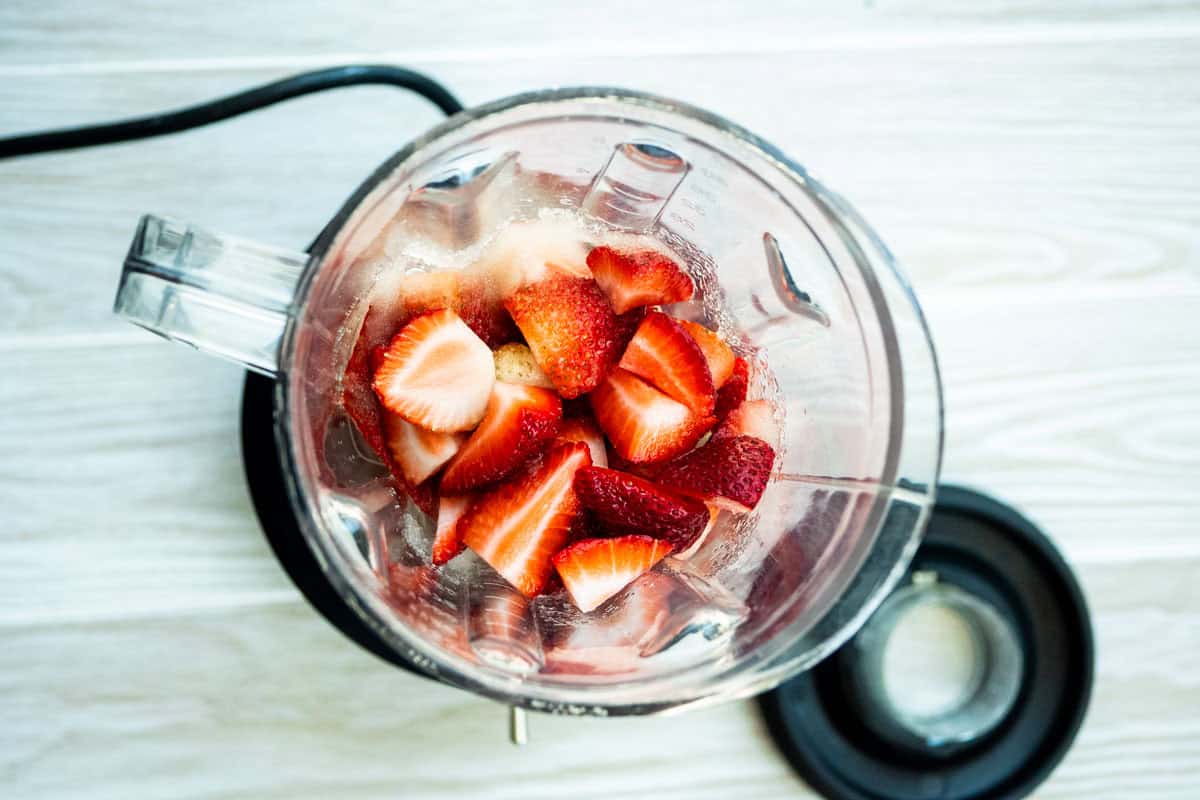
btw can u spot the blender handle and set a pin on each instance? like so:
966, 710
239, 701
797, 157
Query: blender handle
219, 294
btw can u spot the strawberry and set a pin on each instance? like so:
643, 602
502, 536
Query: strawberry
635, 505
642, 423
731, 472
638, 278
519, 423
481, 308
436, 373
752, 418
519, 526
446, 540
417, 453
570, 329
358, 400
583, 429
718, 354
594, 570
685, 551
664, 354
733, 393
627, 325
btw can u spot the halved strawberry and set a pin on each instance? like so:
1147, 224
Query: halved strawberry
731, 472
718, 354
417, 452
664, 354
436, 373
570, 329
446, 540
594, 570
638, 278
642, 423
360, 403
481, 307
519, 423
631, 504
519, 526
752, 418
685, 551
584, 429
733, 393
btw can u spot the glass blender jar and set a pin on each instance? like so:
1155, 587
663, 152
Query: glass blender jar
781, 264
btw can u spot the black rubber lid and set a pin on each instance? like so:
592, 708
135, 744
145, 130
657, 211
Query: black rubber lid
988, 550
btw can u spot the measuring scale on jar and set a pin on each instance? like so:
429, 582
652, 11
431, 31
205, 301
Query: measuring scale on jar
783, 270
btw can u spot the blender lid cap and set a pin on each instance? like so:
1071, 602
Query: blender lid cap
847, 743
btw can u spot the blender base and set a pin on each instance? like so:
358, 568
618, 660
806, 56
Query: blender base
837, 728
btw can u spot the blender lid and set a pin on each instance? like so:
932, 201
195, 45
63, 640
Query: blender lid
994, 583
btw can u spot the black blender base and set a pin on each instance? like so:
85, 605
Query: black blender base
847, 744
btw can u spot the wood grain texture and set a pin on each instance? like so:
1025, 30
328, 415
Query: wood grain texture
1034, 166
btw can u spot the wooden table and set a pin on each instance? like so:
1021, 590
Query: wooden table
1037, 170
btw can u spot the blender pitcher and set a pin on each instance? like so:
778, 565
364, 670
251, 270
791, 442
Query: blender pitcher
782, 266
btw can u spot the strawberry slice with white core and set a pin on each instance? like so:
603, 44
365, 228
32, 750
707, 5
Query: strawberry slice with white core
642, 423
519, 526
639, 278
583, 429
436, 373
752, 418
417, 452
519, 423
594, 570
446, 541
664, 354
718, 354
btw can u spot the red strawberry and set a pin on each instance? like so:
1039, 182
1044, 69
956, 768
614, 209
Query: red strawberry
627, 325
685, 551
642, 423
716, 352
481, 308
520, 422
436, 373
358, 400
635, 505
733, 393
446, 540
664, 354
417, 453
570, 329
638, 278
594, 570
519, 526
752, 418
731, 472
583, 429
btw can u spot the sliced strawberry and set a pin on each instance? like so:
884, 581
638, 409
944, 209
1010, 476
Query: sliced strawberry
418, 453
446, 540
360, 403
664, 354
635, 505
594, 570
752, 418
684, 551
733, 393
481, 307
436, 373
519, 423
627, 325
638, 278
519, 526
718, 354
731, 472
570, 329
584, 429
642, 423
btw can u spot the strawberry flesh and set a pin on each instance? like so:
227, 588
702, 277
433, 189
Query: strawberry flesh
593, 570
642, 423
638, 278
519, 423
418, 453
446, 540
635, 505
583, 429
436, 373
752, 418
718, 354
664, 354
519, 526
733, 393
731, 472
570, 328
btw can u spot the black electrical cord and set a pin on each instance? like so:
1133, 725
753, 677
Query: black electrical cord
231, 106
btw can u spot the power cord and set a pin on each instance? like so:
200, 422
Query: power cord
230, 106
